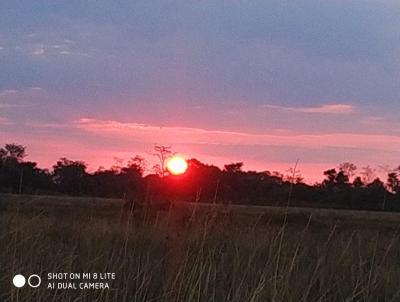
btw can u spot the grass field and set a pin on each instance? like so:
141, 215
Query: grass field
199, 252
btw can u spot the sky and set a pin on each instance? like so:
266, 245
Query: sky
268, 83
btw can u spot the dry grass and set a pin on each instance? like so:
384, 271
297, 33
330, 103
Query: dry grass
218, 254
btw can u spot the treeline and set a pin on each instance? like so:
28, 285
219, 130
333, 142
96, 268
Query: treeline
341, 188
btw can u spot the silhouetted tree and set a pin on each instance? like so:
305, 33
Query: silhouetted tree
204, 181
330, 178
335, 179
349, 169
201, 182
18, 176
342, 180
162, 153
131, 177
70, 176
12, 152
377, 193
357, 182
293, 176
105, 183
368, 174
393, 182
234, 167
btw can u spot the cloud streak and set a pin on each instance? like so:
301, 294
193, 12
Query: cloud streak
186, 135
98, 141
13, 98
325, 108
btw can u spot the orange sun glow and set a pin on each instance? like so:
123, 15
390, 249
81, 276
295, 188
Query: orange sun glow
177, 165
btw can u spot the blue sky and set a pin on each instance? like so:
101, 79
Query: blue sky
219, 80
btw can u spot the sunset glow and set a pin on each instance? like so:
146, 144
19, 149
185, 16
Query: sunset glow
254, 91
156, 136
177, 165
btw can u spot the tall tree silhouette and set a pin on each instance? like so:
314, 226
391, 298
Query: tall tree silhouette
162, 153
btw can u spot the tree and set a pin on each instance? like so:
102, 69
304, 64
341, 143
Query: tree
202, 181
105, 183
118, 163
162, 153
393, 182
358, 183
3, 154
293, 176
19, 176
34, 179
12, 152
11, 174
377, 185
348, 168
234, 167
367, 174
232, 182
342, 180
131, 178
330, 178
138, 163
336, 188
70, 176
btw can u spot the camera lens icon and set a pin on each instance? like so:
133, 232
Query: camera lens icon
33, 281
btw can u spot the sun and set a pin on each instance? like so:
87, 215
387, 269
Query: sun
177, 165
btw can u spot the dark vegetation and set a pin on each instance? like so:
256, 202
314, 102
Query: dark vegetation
221, 253
198, 251
201, 183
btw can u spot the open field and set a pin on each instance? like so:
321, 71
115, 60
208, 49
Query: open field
199, 252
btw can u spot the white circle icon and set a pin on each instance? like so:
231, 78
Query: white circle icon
19, 281
38, 281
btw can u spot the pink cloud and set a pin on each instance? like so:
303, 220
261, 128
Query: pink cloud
179, 135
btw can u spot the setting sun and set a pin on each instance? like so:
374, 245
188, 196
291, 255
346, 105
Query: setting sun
177, 165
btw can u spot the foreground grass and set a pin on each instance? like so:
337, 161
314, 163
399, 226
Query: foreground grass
207, 256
